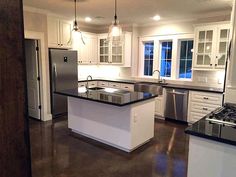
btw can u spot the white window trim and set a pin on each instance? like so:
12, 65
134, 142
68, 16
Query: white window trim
156, 56
141, 54
178, 57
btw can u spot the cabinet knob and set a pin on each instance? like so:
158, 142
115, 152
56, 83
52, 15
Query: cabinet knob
90, 62
215, 64
205, 109
210, 64
205, 98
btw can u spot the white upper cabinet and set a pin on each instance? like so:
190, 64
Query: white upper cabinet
87, 51
211, 45
108, 53
59, 33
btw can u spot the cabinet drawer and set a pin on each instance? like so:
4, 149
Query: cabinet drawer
92, 84
194, 117
102, 84
202, 107
129, 87
208, 98
81, 84
114, 85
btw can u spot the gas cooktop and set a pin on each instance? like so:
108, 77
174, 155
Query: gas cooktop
225, 115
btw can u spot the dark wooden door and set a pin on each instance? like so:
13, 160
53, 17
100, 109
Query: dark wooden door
14, 131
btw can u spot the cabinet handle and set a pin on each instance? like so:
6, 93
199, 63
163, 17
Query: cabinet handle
90, 62
205, 109
205, 98
215, 64
210, 64
126, 87
58, 44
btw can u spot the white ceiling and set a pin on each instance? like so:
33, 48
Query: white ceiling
135, 11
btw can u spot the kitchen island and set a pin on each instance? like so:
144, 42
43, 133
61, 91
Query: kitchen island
212, 151
118, 118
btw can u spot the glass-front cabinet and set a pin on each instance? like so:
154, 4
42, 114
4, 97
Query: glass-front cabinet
222, 47
103, 50
115, 53
211, 45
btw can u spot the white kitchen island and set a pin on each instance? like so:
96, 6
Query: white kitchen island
121, 119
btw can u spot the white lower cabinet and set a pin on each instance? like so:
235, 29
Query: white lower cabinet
202, 103
159, 106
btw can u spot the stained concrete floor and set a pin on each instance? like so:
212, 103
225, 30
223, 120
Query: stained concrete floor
58, 153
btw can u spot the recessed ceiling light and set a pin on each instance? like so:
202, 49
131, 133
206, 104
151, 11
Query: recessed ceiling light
156, 18
88, 19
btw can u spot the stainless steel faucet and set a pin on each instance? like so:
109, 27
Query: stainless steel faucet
159, 76
89, 76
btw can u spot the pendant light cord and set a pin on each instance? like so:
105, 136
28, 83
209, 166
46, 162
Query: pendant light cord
115, 17
75, 11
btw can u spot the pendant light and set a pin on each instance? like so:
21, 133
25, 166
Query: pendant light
76, 26
115, 30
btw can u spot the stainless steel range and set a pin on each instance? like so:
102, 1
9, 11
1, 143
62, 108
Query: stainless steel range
225, 115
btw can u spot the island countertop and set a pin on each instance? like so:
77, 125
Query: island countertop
217, 132
110, 96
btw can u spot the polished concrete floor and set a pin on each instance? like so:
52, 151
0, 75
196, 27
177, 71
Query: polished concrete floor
58, 153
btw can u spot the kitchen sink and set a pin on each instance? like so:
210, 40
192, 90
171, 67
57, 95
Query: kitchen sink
151, 87
95, 88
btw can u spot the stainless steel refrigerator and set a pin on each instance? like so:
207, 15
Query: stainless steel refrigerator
63, 76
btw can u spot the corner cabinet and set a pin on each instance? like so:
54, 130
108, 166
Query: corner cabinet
211, 46
59, 33
87, 52
108, 53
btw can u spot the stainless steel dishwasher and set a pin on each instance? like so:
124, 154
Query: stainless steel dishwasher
176, 105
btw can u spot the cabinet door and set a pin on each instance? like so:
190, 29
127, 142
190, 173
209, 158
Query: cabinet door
222, 46
159, 106
93, 50
116, 53
83, 50
204, 47
53, 32
88, 51
65, 34
103, 51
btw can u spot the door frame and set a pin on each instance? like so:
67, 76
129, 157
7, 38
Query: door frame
43, 74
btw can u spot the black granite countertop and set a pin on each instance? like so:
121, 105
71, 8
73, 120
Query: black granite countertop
110, 96
195, 88
166, 85
125, 81
217, 132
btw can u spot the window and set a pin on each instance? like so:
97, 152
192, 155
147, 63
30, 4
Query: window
148, 58
166, 57
185, 59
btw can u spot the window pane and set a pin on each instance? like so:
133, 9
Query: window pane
185, 65
190, 50
148, 58
189, 69
183, 49
182, 68
166, 57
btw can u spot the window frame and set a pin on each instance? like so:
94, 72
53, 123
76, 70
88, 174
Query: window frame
142, 41
159, 56
157, 39
178, 59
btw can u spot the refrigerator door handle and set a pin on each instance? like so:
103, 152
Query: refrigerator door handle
55, 76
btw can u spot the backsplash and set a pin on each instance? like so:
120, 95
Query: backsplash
200, 78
